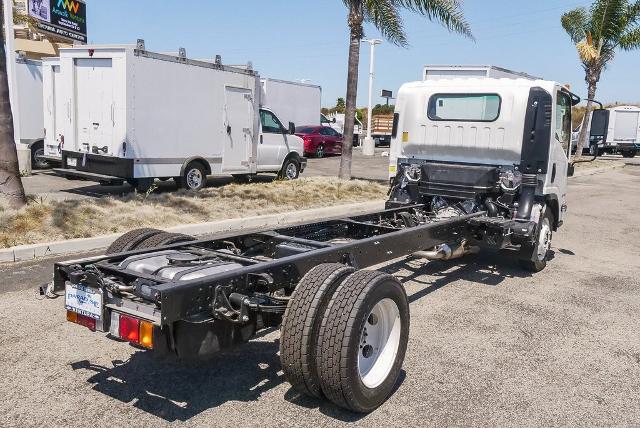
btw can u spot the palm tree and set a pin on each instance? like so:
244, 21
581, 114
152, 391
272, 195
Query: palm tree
11, 189
597, 33
385, 16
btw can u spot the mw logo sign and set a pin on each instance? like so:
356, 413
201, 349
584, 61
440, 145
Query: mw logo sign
70, 5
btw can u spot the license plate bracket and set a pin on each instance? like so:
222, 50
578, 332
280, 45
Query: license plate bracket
85, 301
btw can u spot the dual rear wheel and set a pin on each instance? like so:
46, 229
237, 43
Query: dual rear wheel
344, 336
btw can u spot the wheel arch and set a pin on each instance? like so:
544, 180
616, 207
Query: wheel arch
198, 159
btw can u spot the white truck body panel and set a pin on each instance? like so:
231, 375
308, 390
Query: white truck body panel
29, 84
56, 108
496, 142
160, 111
295, 102
437, 72
338, 125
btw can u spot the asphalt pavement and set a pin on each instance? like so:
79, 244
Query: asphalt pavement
490, 345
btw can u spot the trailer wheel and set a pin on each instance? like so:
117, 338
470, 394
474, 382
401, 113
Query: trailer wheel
533, 257
363, 341
301, 324
130, 240
162, 239
194, 177
290, 170
629, 154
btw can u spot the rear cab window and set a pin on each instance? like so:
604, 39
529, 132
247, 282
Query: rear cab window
464, 107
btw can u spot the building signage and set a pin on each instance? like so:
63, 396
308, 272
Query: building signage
64, 18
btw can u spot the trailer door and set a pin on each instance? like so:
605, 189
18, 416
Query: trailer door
626, 127
239, 128
95, 107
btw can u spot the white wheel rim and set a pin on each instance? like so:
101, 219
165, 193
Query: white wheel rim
320, 151
544, 240
194, 178
291, 171
379, 343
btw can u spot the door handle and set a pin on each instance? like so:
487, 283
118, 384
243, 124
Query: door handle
261, 140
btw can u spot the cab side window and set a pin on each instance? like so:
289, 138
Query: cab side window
563, 120
270, 123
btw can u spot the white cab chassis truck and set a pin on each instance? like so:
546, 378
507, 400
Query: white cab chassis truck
623, 133
136, 115
477, 163
498, 146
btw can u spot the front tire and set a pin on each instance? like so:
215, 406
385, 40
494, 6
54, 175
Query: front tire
534, 257
290, 169
363, 341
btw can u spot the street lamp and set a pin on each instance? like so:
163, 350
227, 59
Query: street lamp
369, 146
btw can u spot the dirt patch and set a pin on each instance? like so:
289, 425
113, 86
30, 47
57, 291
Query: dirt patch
598, 163
59, 220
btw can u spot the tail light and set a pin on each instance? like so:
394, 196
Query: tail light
132, 329
82, 320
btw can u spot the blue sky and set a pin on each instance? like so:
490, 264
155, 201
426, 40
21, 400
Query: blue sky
308, 39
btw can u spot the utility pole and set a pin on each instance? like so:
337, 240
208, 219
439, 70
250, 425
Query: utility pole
369, 146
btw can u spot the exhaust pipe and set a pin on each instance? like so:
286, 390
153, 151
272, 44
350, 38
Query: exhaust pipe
447, 252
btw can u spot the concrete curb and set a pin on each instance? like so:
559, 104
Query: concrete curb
247, 224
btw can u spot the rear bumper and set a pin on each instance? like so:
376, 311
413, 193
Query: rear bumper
98, 165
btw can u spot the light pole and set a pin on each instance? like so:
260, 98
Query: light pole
369, 146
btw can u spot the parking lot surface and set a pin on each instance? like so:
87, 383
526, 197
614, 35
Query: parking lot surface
489, 345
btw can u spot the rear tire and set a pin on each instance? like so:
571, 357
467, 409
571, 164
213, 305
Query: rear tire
37, 162
363, 341
593, 150
629, 154
194, 177
130, 240
301, 325
162, 239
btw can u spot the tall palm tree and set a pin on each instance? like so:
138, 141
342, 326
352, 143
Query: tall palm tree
11, 189
385, 16
597, 33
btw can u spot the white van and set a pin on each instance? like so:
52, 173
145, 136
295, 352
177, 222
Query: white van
136, 115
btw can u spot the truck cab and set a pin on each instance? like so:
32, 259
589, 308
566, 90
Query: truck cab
483, 144
278, 148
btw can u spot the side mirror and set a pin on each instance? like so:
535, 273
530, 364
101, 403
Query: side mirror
571, 170
600, 124
292, 128
333, 120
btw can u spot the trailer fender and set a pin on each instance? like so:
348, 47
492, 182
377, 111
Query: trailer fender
199, 159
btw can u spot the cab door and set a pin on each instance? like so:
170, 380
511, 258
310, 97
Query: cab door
556, 179
272, 144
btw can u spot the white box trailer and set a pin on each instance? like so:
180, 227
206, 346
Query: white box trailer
295, 102
56, 109
136, 115
623, 134
437, 72
29, 89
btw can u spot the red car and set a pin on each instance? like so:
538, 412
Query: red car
320, 140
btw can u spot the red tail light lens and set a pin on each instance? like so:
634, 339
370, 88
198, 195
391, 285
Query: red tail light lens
73, 317
129, 328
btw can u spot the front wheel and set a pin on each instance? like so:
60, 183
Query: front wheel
363, 340
534, 257
290, 169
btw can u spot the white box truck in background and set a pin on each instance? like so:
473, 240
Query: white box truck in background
438, 72
295, 102
336, 121
29, 84
136, 116
623, 133
56, 110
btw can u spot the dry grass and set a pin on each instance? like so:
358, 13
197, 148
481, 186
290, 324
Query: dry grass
52, 221
598, 163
